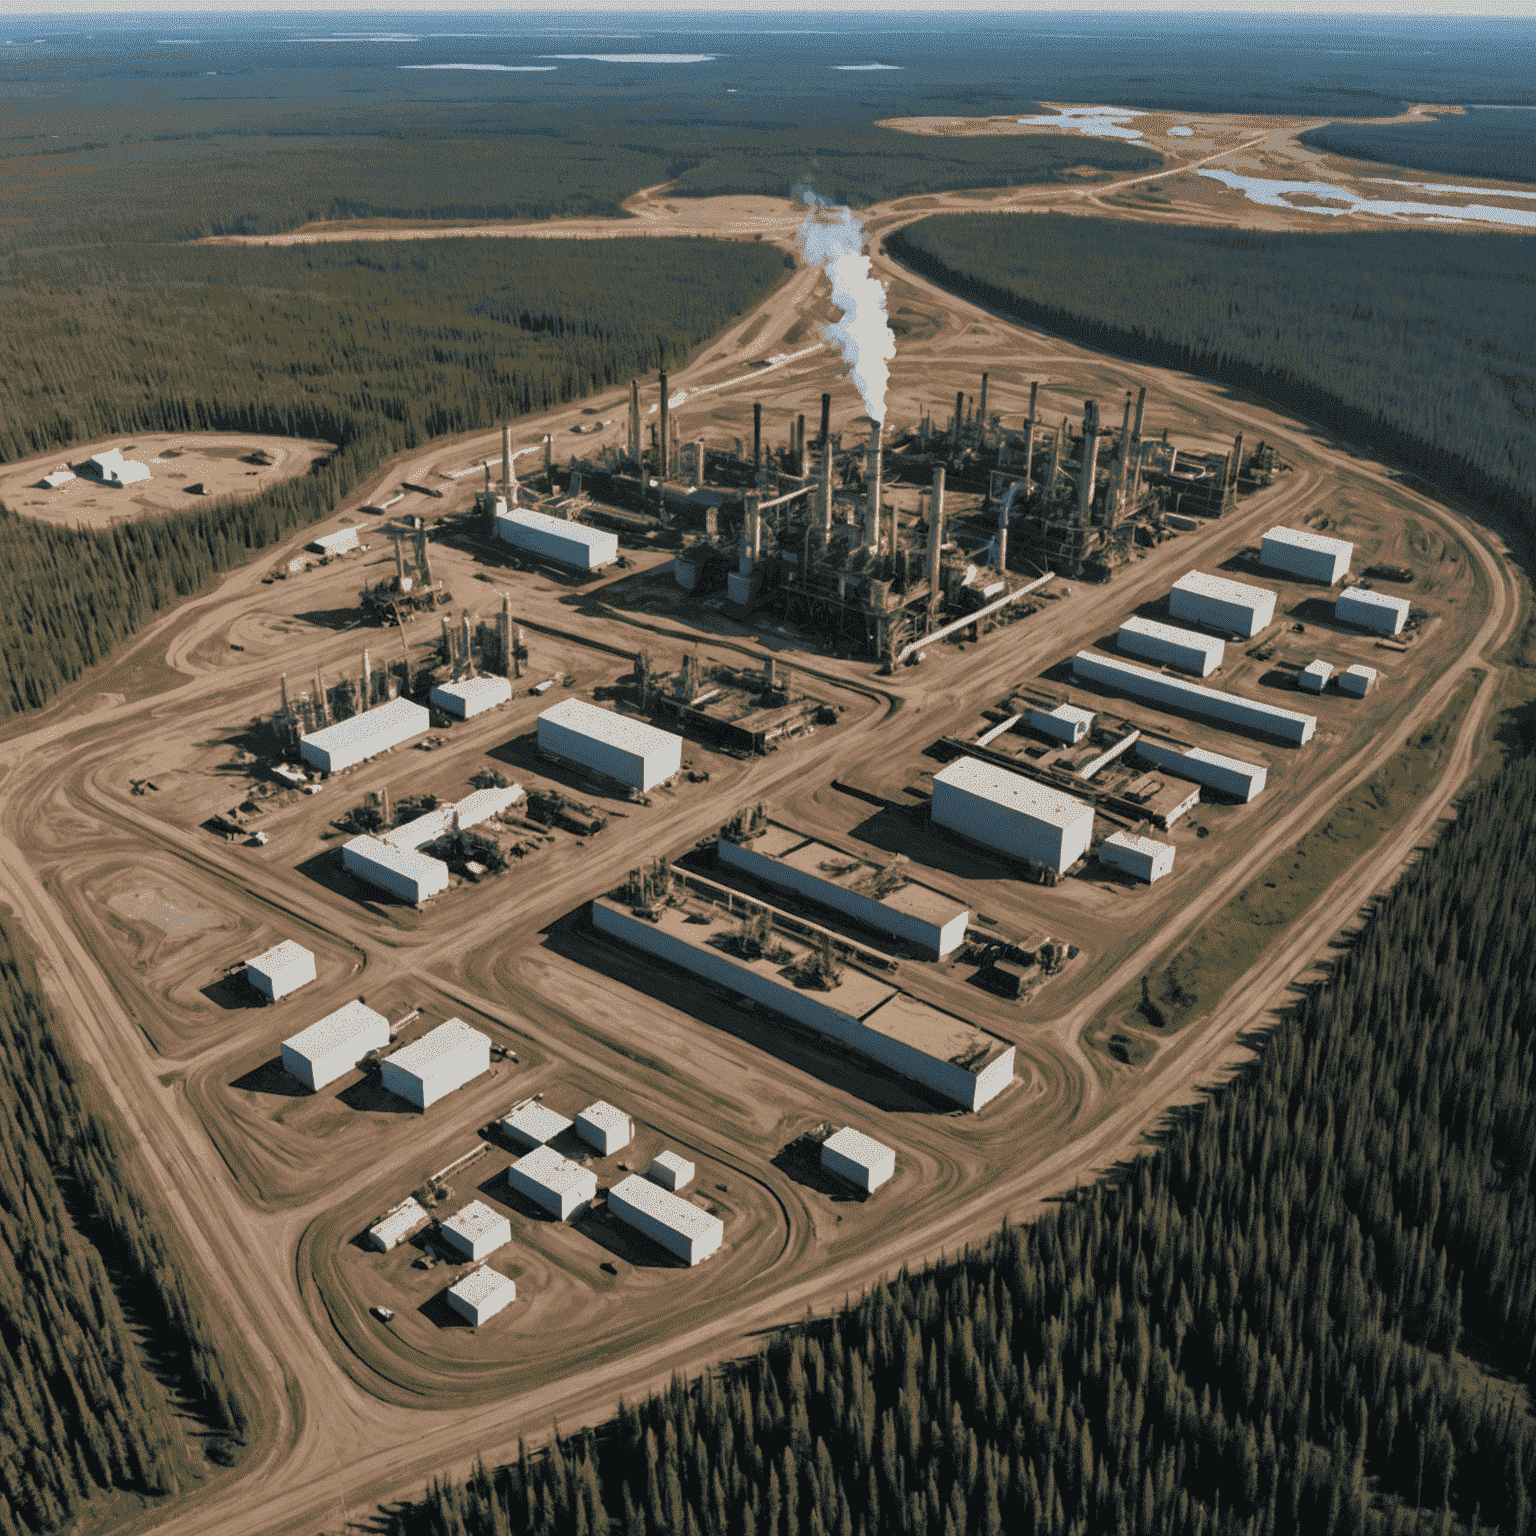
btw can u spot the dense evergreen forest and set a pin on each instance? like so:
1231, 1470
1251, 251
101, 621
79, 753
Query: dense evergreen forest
1422, 345
375, 347
1309, 1312
1494, 142
82, 1409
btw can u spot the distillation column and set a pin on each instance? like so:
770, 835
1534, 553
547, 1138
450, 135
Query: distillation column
872, 474
935, 544
1085, 479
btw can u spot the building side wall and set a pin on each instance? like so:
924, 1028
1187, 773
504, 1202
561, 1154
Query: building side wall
1240, 617
407, 887
476, 1313
1189, 658
693, 1250
346, 754
553, 546
868, 1179
1313, 564
1210, 705
1372, 616
406, 1084
1010, 831
287, 978
1213, 775
627, 767
448, 1073
561, 1203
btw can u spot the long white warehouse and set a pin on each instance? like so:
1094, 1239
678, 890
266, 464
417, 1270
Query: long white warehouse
1012, 814
1222, 604
366, 735
1182, 648
628, 750
1300, 552
403, 872
327, 1049
860, 1159
443, 1059
481, 1294
1225, 774
552, 538
472, 696
1288, 724
920, 915
1372, 610
280, 970
1143, 857
554, 1183
680, 1226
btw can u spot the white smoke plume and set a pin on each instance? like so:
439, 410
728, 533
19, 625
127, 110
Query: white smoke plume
832, 239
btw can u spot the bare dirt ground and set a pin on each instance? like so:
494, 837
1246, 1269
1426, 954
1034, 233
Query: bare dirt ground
221, 462
135, 910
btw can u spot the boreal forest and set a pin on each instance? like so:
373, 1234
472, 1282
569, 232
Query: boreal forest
1494, 142
1310, 1311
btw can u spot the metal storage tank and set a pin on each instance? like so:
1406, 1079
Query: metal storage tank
397, 1225
670, 1171
605, 1128
443, 1059
1143, 857
1065, 723
1182, 648
1300, 552
476, 1231
1372, 610
472, 696
1288, 724
1226, 774
680, 1226
553, 538
1357, 681
1012, 814
629, 751
860, 1159
1223, 604
532, 1124
481, 1294
554, 1183
403, 872
366, 735
333, 1046
280, 970
1313, 677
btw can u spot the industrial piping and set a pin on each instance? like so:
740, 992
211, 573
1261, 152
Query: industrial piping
970, 618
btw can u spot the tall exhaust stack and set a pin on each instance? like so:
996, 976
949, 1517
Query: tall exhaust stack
367, 680
826, 487
935, 544
1122, 469
800, 445
662, 439
469, 650
506, 455
322, 704
959, 422
1234, 469
1141, 401
508, 657
634, 420
826, 421
1029, 435
1090, 458
447, 642
981, 414
757, 436
283, 684
872, 474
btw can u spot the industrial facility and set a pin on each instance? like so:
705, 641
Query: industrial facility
1375, 611
476, 1231
342, 542
554, 1183
630, 752
553, 538
861, 1160
1012, 815
280, 970
1233, 606
1144, 858
442, 1060
376, 730
1299, 552
111, 468
333, 1046
678, 1225
481, 1294
396, 860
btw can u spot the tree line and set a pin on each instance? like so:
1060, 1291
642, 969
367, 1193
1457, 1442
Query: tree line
1309, 1311
373, 347
1495, 142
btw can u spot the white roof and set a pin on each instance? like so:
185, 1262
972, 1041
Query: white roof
480, 1285
545, 1166
1322, 669
1014, 792
1172, 634
605, 1116
1070, 712
592, 537
431, 825
857, 1147
287, 953
419, 1056
1147, 845
673, 1160
604, 725
1178, 685
398, 713
335, 1029
538, 1122
476, 1220
1368, 673
391, 855
485, 803
345, 538
682, 1216
495, 689
1374, 599
400, 1222
1204, 755
1223, 590
1304, 538
108, 458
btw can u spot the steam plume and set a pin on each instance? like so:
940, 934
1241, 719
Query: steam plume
832, 239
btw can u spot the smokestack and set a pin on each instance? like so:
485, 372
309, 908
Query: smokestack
954, 431
322, 704
872, 474
1141, 401
1122, 469
423, 564
469, 650
506, 454
757, 435
698, 462
487, 479
751, 536
1234, 469
1029, 435
935, 543
1054, 466
800, 445
826, 421
549, 459
663, 440
1090, 456
400, 557
981, 412
367, 681
1002, 533
826, 482
508, 659
634, 420
284, 685
447, 642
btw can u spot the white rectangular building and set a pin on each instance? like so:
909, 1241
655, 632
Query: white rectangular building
342, 542
552, 538
671, 1171
1225, 774
1208, 703
404, 872
280, 970
1012, 814
472, 696
363, 736
397, 1225
1371, 610
1313, 677
1357, 681
1175, 647
860, 1159
1065, 723
532, 1124
605, 1129
110, 465
680, 1226
1223, 604
554, 1183
333, 1046
1144, 857
481, 1294
1300, 552
443, 1059
630, 751
476, 1231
